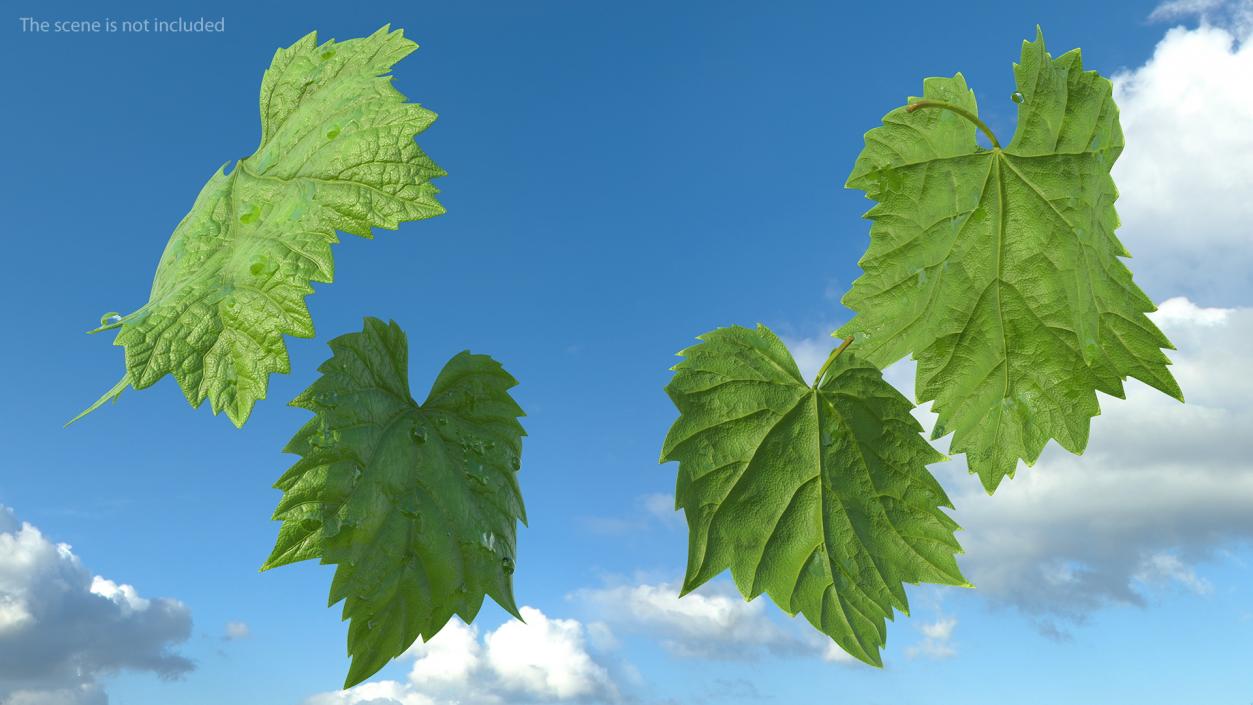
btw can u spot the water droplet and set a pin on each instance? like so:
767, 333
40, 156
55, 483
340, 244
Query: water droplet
506, 564
515, 462
1018, 97
262, 266
330, 526
323, 438
418, 434
332, 133
110, 317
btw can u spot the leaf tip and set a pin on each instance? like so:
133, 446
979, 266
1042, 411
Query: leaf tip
111, 395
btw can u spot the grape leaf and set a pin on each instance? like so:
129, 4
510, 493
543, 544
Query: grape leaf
336, 153
416, 504
999, 269
818, 496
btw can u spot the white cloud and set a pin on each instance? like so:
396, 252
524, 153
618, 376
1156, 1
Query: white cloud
1236, 15
236, 630
62, 628
85, 694
810, 353
542, 660
1164, 566
833, 653
713, 622
386, 692
1162, 487
1186, 175
546, 658
660, 506
937, 640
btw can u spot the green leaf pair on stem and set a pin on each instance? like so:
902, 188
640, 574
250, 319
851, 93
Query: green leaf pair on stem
999, 272
416, 505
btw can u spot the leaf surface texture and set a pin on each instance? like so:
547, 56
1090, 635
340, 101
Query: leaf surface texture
818, 496
416, 505
336, 154
999, 270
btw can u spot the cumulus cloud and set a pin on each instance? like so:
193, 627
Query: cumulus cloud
1185, 176
810, 353
937, 640
1234, 14
1162, 487
543, 660
713, 622
235, 631
61, 628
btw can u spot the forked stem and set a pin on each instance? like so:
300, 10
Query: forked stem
928, 103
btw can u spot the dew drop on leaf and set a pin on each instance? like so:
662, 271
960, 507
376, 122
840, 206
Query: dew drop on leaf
251, 215
110, 317
418, 435
330, 526
262, 266
1018, 97
506, 564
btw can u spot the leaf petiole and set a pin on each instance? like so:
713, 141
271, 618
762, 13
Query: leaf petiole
831, 358
927, 103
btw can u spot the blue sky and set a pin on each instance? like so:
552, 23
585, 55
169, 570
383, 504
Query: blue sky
622, 178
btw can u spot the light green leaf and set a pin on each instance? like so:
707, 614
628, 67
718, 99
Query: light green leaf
999, 270
336, 153
417, 505
818, 496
